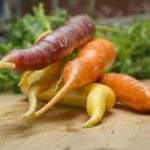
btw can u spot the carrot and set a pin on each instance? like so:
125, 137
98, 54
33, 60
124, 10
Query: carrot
92, 60
37, 81
96, 98
100, 98
129, 91
51, 46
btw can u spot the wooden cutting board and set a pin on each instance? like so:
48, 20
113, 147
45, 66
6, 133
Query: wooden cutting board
60, 128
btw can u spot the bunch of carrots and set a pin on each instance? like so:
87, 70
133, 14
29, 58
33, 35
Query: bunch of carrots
50, 77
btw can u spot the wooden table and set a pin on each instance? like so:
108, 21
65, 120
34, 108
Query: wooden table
60, 128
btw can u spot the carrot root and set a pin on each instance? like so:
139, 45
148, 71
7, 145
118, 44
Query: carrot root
99, 99
7, 65
96, 103
95, 118
33, 103
50, 47
54, 100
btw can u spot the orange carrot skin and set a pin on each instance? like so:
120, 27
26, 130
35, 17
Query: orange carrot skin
88, 66
129, 91
92, 60
53, 46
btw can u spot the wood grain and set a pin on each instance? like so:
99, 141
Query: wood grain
60, 128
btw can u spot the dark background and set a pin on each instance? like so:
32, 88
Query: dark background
97, 8
102, 8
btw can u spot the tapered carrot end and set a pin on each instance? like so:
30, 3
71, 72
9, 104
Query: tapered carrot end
66, 88
96, 104
8, 65
25, 117
33, 103
95, 118
100, 99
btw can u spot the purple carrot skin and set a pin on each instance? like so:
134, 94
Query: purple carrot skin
52, 46
92, 60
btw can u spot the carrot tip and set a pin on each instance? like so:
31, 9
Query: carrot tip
92, 121
54, 100
26, 117
33, 103
8, 65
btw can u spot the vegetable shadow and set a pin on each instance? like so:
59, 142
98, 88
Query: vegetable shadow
13, 127
128, 109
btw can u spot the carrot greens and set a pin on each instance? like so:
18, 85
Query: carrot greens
133, 47
131, 41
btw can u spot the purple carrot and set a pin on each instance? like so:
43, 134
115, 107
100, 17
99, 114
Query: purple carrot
52, 46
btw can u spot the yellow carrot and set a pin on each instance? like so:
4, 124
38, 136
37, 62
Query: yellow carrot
38, 81
95, 97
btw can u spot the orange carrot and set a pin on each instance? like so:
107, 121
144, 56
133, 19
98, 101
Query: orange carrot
129, 91
92, 60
